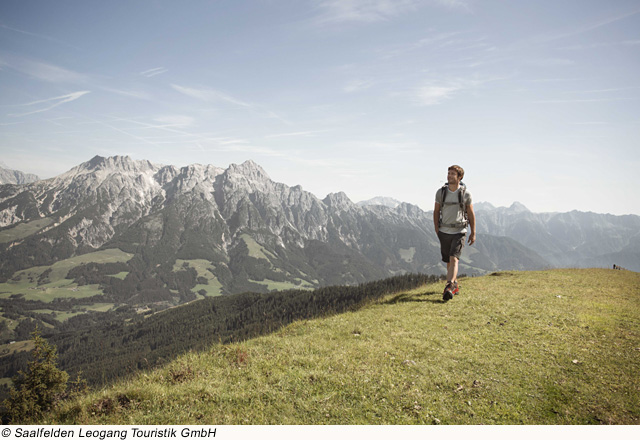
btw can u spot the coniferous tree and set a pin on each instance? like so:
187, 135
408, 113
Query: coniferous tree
36, 391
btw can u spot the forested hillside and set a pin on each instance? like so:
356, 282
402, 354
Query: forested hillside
114, 349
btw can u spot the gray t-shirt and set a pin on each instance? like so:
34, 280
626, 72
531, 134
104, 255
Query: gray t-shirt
451, 213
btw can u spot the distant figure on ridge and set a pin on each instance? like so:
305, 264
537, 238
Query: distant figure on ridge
453, 215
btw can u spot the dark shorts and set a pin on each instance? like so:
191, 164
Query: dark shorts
451, 245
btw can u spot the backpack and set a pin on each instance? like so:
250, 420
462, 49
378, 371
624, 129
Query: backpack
461, 194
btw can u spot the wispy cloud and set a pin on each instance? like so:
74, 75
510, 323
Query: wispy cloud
274, 115
295, 134
609, 90
550, 62
111, 126
153, 72
178, 125
573, 101
367, 11
181, 121
436, 92
605, 21
33, 34
553, 80
137, 94
587, 46
227, 144
432, 95
170, 123
209, 95
53, 73
41, 70
213, 96
443, 43
371, 11
49, 103
463, 5
358, 85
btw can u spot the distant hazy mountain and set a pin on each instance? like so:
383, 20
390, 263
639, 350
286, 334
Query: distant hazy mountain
15, 177
570, 239
252, 233
384, 201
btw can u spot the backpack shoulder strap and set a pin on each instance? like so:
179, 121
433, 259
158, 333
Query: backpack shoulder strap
461, 199
443, 194
461, 193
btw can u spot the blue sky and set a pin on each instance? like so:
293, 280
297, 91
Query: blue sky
537, 100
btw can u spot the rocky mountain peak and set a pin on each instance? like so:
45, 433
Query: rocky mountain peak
339, 201
384, 201
202, 172
250, 170
120, 163
517, 208
483, 206
101, 167
248, 175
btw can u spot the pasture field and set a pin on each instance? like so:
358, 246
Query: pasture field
45, 283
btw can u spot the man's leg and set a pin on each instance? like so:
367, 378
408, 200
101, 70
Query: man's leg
452, 274
452, 270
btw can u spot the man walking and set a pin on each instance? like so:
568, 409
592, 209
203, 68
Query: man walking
453, 216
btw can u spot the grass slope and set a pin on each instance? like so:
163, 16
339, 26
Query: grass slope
25, 282
552, 347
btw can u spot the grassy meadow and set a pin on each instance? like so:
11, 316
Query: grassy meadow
23, 230
551, 347
28, 282
46, 283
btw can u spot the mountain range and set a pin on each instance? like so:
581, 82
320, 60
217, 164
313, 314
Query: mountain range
237, 230
16, 177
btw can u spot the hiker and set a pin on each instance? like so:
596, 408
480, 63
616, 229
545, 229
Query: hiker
453, 217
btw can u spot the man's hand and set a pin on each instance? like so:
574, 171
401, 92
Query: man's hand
471, 214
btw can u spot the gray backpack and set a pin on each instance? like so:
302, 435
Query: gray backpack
463, 207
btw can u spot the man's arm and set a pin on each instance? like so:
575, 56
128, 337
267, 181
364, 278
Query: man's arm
436, 217
471, 215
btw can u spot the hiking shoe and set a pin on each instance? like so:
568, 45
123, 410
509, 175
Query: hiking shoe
448, 292
455, 289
